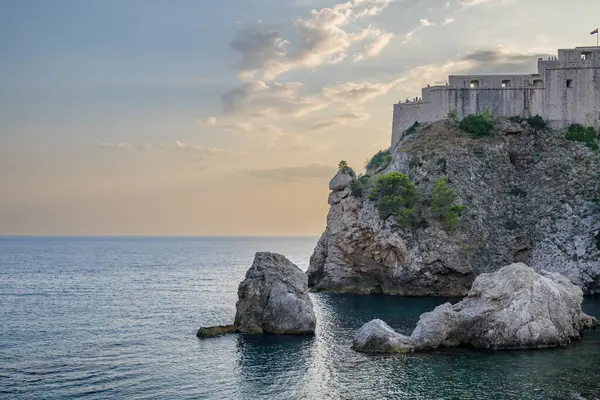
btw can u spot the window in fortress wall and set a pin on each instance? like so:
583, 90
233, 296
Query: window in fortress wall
474, 84
569, 83
538, 83
506, 83
586, 55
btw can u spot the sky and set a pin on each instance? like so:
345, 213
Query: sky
229, 117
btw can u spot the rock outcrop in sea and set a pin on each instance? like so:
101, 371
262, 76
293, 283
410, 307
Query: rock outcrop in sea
526, 194
273, 298
513, 308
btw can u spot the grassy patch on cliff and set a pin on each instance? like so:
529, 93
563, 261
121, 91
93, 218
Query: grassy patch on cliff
583, 134
394, 195
443, 203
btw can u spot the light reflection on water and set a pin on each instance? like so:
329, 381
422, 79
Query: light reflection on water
99, 318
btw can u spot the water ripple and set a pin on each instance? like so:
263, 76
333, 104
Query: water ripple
115, 318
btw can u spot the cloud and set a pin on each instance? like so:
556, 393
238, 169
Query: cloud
208, 121
259, 47
292, 173
496, 60
471, 3
324, 37
423, 23
237, 126
448, 20
176, 146
340, 120
191, 147
118, 146
374, 48
276, 137
351, 93
259, 99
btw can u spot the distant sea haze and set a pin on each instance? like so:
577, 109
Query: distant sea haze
110, 317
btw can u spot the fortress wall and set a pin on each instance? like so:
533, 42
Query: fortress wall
579, 103
406, 114
506, 102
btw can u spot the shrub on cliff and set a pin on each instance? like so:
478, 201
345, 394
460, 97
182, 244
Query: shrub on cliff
359, 185
379, 161
537, 123
478, 126
443, 203
583, 134
395, 194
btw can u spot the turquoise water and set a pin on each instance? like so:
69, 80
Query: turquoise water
99, 318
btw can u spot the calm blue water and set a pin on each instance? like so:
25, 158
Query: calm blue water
103, 318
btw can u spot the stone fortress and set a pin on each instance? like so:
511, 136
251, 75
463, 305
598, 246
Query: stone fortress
566, 90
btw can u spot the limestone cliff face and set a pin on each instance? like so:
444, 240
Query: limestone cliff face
531, 197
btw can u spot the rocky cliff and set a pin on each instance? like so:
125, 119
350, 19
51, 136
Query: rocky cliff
530, 195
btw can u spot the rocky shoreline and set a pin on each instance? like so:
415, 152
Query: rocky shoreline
443, 214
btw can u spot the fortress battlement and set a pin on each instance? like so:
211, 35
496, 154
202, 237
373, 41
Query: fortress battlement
565, 90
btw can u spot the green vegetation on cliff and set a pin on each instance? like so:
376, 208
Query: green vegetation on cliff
537, 123
583, 134
359, 185
478, 126
443, 203
379, 161
395, 194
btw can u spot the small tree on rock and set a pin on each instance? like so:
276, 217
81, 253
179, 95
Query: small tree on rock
395, 195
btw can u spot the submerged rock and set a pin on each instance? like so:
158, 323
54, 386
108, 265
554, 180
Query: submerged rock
212, 331
513, 308
377, 337
274, 298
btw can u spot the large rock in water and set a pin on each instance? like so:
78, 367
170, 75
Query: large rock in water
530, 197
274, 298
513, 308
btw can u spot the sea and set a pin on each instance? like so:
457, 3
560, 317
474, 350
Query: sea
116, 318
